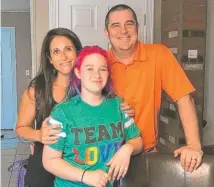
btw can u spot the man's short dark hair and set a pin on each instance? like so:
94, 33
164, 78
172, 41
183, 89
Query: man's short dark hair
118, 8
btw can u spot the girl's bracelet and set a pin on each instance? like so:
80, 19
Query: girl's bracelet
83, 176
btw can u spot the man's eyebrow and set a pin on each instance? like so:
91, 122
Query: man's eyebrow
115, 23
128, 21
131, 21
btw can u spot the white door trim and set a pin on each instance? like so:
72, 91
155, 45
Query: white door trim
53, 14
33, 37
148, 21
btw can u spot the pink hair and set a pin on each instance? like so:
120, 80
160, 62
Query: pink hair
88, 51
76, 83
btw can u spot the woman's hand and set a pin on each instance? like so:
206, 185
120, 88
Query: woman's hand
48, 133
119, 164
125, 107
97, 178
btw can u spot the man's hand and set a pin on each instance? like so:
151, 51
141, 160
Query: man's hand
190, 157
125, 107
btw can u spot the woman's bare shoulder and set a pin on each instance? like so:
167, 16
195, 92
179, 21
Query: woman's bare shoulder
29, 94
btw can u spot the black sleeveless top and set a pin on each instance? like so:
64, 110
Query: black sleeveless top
36, 175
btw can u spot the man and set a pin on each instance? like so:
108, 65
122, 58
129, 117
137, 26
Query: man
140, 72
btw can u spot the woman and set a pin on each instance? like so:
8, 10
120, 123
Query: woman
49, 87
99, 138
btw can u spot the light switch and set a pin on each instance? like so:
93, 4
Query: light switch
27, 72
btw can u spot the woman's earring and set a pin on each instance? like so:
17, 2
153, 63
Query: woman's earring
54, 71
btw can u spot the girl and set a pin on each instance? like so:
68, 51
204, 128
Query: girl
99, 138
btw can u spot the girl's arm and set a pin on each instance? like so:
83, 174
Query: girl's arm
119, 164
53, 162
136, 145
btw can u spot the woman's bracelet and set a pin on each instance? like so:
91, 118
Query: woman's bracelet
83, 176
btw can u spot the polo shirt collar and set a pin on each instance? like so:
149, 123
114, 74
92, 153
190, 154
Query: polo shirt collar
140, 54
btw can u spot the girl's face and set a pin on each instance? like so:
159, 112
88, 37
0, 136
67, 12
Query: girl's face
62, 54
93, 74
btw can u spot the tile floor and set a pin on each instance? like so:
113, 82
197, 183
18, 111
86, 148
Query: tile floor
12, 149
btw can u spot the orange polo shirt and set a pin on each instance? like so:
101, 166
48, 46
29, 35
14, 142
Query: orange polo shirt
154, 68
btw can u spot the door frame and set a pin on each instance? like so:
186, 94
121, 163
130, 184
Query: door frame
14, 80
33, 37
149, 21
148, 18
53, 14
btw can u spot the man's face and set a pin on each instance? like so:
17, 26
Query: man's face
122, 30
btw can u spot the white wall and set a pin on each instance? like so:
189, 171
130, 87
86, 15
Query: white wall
208, 131
15, 5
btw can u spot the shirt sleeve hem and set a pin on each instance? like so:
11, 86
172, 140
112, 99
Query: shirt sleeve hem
175, 99
133, 137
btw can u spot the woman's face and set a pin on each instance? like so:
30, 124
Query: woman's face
62, 54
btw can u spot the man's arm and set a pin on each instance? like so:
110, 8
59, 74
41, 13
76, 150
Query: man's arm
188, 116
191, 154
177, 85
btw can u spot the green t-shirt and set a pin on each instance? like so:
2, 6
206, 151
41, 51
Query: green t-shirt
93, 134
